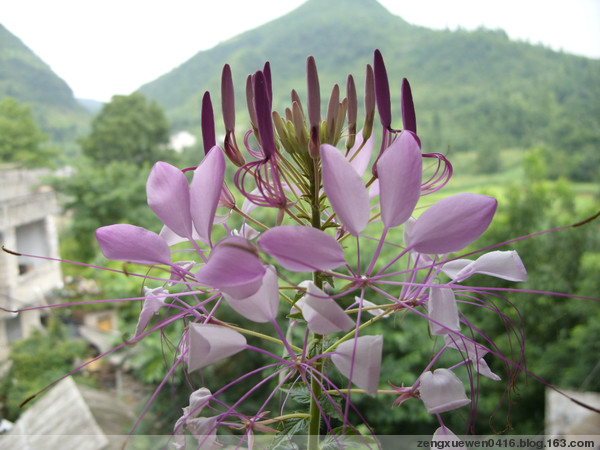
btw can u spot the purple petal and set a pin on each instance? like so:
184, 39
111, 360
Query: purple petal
302, 249
169, 197
441, 391
400, 170
198, 400
452, 223
123, 242
205, 191
443, 434
173, 238
209, 343
233, 267
442, 311
474, 352
345, 190
468, 348
501, 264
482, 368
155, 299
263, 305
367, 361
322, 314
361, 157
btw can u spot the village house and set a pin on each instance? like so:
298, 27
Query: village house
27, 226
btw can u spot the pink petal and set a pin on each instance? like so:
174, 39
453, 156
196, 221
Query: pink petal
367, 361
468, 348
233, 267
399, 170
155, 299
209, 343
198, 400
361, 157
474, 352
441, 391
345, 190
482, 368
368, 304
205, 191
302, 249
501, 264
452, 223
204, 429
322, 314
442, 311
263, 305
173, 238
169, 197
123, 242
449, 439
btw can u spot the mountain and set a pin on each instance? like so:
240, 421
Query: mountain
473, 90
26, 78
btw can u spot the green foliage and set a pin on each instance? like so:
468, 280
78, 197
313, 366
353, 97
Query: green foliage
21, 141
562, 334
38, 361
129, 129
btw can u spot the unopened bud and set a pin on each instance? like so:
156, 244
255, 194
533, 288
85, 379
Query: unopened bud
314, 106
352, 111
207, 122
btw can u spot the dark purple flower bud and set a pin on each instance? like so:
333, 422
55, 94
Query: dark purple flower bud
314, 106
227, 98
409, 119
352, 110
207, 121
267, 74
262, 107
382, 91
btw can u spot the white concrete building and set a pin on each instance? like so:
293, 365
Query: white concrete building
27, 226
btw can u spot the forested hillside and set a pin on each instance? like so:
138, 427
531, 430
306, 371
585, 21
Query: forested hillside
474, 91
29, 80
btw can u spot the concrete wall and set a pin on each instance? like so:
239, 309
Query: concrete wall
27, 225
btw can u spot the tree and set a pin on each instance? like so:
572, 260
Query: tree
129, 128
20, 138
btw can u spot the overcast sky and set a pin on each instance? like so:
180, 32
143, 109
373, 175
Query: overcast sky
107, 47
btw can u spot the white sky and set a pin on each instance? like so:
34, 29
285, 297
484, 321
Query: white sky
106, 47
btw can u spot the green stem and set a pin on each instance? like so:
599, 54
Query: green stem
315, 382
